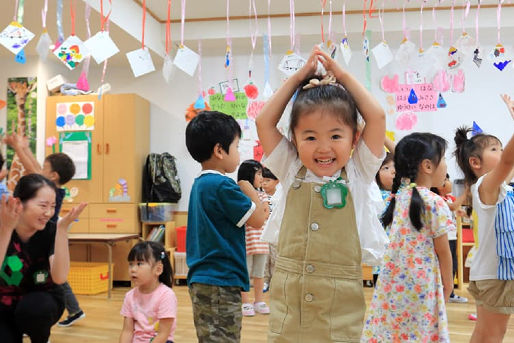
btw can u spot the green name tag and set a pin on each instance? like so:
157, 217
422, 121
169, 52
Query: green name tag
334, 194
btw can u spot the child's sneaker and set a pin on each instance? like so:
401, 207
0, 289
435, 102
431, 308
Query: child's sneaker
72, 319
261, 308
472, 316
458, 299
248, 310
265, 288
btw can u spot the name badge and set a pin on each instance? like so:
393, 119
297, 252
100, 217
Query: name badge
334, 194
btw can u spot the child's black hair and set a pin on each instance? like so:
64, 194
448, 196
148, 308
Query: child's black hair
206, 130
28, 186
472, 147
153, 251
389, 158
1, 160
63, 165
333, 98
409, 153
247, 170
266, 173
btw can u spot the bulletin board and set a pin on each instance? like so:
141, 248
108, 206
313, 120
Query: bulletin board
77, 145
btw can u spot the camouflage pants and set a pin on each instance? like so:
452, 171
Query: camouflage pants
217, 313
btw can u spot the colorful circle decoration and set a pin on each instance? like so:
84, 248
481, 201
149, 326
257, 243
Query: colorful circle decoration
75, 116
87, 108
70, 119
61, 109
89, 121
79, 119
60, 121
75, 108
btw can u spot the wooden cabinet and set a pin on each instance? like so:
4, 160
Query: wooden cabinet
120, 142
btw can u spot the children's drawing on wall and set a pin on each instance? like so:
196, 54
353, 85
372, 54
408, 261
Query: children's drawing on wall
22, 119
119, 193
75, 116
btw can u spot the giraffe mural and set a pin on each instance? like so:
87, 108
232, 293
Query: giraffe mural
18, 90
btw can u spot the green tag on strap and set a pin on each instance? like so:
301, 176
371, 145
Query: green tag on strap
334, 194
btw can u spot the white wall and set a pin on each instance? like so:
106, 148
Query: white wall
480, 101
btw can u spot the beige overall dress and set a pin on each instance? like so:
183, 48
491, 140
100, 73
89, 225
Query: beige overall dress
316, 289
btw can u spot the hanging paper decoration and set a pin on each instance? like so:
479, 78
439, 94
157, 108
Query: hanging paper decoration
20, 57
381, 51
192, 112
185, 58
435, 53
344, 46
454, 55
413, 98
44, 43
497, 55
441, 103
458, 82
211, 91
167, 66
140, 59
476, 129
254, 108
15, 37
72, 51
101, 46
441, 82
407, 49
268, 91
82, 82
60, 31
465, 42
199, 103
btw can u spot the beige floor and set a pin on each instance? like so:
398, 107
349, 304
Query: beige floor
103, 321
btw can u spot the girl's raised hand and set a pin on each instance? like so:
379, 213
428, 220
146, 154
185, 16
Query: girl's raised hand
310, 67
329, 64
65, 221
10, 211
509, 102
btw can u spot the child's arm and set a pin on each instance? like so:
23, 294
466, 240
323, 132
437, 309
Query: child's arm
165, 325
509, 103
489, 190
261, 212
128, 330
270, 114
22, 149
444, 255
369, 107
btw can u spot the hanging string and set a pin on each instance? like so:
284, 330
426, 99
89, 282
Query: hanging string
434, 19
381, 19
465, 14
269, 27
291, 25
60, 32
168, 29
404, 23
476, 23
344, 19
421, 27
254, 28
330, 21
323, 4
143, 27
104, 19
451, 22
498, 18
14, 17
371, 10
182, 21
105, 62
72, 15
43, 14
87, 13
20, 11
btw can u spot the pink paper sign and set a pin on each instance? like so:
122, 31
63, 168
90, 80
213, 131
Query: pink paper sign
416, 97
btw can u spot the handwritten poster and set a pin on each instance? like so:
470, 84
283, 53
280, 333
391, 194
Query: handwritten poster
416, 98
236, 109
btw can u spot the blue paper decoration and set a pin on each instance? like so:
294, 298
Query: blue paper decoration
199, 103
20, 57
499, 65
440, 102
476, 129
413, 98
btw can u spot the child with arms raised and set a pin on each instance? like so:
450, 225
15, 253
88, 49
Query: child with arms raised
215, 242
487, 169
316, 289
416, 275
150, 308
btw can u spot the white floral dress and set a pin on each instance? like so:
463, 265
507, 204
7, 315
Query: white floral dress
408, 302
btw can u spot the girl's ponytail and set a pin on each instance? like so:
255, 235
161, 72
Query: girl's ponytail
417, 205
387, 216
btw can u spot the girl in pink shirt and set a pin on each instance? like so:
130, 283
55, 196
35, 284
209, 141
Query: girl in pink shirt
150, 308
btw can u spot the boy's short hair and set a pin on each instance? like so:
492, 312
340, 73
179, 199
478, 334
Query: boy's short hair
206, 130
1, 160
63, 165
266, 173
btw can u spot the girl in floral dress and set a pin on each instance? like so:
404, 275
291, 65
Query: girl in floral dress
416, 273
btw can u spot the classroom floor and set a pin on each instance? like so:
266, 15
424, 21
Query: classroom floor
103, 322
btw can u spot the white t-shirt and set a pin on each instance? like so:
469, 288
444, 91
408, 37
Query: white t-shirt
485, 260
360, 169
